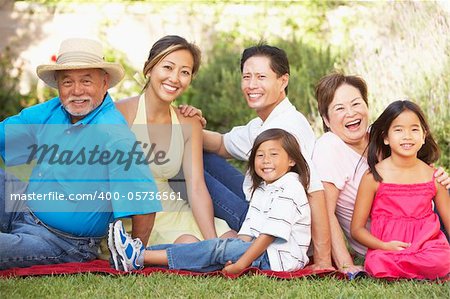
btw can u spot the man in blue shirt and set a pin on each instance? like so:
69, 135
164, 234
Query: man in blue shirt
87, 167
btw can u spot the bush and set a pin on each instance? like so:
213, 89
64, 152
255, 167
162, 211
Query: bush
216, 89
308, 64
11, 101
403, 52
433, 96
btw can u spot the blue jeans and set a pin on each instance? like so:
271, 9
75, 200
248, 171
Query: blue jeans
26, 241
209, 255
224, 183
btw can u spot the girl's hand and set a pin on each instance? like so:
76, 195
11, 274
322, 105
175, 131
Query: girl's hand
231, 268
191, 111
442, 177
396, 245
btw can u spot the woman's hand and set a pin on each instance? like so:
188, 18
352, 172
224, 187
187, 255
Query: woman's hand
191, 111
442, 177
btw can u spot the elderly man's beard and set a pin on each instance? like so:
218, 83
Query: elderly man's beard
71, 106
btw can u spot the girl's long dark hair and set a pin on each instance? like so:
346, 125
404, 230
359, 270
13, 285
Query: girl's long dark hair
292, 148
428, 153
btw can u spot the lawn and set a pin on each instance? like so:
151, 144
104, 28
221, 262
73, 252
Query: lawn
247, 286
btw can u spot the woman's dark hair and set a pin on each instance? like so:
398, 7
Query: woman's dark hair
327, 86
169, 44
428, 153
292, 148
278, 59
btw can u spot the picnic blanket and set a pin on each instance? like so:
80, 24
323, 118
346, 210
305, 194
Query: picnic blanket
102, 266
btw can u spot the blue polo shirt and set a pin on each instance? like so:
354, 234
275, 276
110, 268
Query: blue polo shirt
83, 174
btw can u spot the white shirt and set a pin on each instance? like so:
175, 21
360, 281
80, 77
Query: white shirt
239, 141
281, 210
344, 168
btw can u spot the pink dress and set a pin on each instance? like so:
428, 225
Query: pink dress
404, 212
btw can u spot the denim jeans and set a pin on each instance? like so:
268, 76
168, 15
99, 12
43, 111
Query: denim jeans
224, 184
209, 255
26, 241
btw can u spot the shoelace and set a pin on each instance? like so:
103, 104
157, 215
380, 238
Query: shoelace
137, 242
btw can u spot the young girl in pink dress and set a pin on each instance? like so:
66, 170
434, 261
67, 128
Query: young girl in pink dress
398, 192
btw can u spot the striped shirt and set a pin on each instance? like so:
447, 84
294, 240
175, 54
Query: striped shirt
281, 209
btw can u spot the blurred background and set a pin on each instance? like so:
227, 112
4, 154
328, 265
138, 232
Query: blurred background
402, 50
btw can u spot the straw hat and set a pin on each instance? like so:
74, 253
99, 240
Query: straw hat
79, 53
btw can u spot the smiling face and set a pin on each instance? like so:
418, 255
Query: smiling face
405, 136
261, 87
81, 91
171, 76
348, 116
272, 161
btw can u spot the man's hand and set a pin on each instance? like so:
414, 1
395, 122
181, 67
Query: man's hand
191, 111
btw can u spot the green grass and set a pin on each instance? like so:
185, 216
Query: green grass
247, 286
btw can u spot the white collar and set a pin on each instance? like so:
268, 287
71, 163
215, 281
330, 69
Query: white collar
279, 109
281, 182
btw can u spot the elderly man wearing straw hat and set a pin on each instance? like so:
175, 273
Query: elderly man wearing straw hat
84, 166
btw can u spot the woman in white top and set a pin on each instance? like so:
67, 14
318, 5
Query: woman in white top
340, 157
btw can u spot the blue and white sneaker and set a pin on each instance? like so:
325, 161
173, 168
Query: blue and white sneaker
114, 260
130, 251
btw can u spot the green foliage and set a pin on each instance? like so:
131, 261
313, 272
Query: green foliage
132, 83
11, 101
308, 64
216, 88
401, 49
434, 98
442, 137
9, 96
